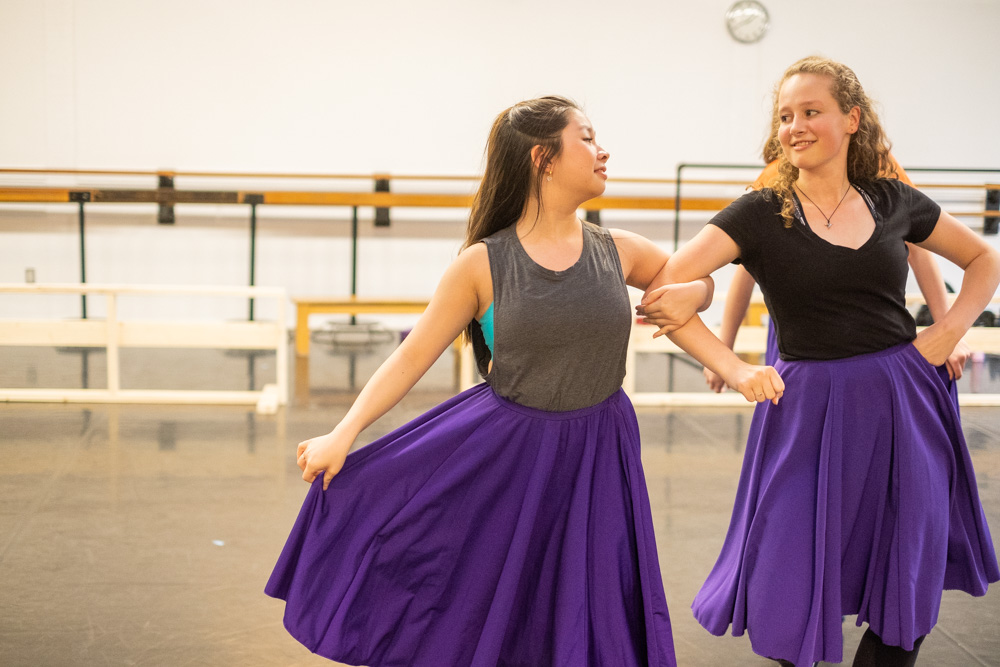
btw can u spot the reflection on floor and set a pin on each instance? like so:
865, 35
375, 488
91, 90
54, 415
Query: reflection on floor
143, 535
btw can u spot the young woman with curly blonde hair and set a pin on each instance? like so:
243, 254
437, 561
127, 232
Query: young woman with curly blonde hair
857, 495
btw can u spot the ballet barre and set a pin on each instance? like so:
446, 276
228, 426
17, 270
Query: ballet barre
165, 195
113, 334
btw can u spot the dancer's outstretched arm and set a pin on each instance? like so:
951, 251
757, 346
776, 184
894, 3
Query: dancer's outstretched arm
455, 303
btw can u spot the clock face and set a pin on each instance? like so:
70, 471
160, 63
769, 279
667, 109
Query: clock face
747, 21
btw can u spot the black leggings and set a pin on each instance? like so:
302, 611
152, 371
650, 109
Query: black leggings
873, 653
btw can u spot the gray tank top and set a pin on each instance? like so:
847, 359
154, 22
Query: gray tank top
559, 337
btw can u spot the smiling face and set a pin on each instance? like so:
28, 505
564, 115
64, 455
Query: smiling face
813, 131
581, 165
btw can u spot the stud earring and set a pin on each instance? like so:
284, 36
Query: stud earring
549, 177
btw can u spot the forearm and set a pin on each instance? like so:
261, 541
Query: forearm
387, 386
699, 342
979, 284
756, 383
676, 303
706, 285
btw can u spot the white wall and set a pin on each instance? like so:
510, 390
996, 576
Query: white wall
412, 87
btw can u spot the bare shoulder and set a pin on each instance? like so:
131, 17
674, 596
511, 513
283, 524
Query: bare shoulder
473, 260
627, 242
641, 259
472, 266
630, 244
622, 235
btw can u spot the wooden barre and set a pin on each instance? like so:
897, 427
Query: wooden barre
376, 199
310, 198
353, 305
388, 199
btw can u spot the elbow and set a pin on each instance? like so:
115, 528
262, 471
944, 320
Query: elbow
994, 263
710, 295
984, 270
669, 276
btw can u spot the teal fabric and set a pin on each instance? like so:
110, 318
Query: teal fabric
486, 324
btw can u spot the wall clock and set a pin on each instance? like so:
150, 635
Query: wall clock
747, 21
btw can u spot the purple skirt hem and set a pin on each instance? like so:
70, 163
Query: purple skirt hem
482, 533
857, 496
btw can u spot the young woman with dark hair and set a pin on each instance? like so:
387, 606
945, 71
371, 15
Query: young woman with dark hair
510, 525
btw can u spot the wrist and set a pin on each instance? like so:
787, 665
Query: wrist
346, 430
728, 368
949, 329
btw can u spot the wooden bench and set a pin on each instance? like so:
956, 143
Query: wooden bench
349, 305
353, 305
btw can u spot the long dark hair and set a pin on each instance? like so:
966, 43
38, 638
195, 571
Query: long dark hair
510, 177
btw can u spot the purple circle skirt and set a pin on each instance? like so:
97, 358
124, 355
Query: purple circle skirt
482, 533
857, 496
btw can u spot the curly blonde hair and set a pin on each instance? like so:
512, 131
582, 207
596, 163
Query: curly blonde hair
868, 151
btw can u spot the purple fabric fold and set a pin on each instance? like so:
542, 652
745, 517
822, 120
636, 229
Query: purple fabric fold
857, 496
482, 533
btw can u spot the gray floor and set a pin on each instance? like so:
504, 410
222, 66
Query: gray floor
144, 535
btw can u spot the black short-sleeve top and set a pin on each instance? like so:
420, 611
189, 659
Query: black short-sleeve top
829, 301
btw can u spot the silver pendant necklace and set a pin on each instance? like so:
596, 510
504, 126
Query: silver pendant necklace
828, 218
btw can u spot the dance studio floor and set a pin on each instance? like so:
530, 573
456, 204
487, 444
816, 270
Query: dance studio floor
143, 535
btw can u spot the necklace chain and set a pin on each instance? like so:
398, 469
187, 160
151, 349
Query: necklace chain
829, 223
